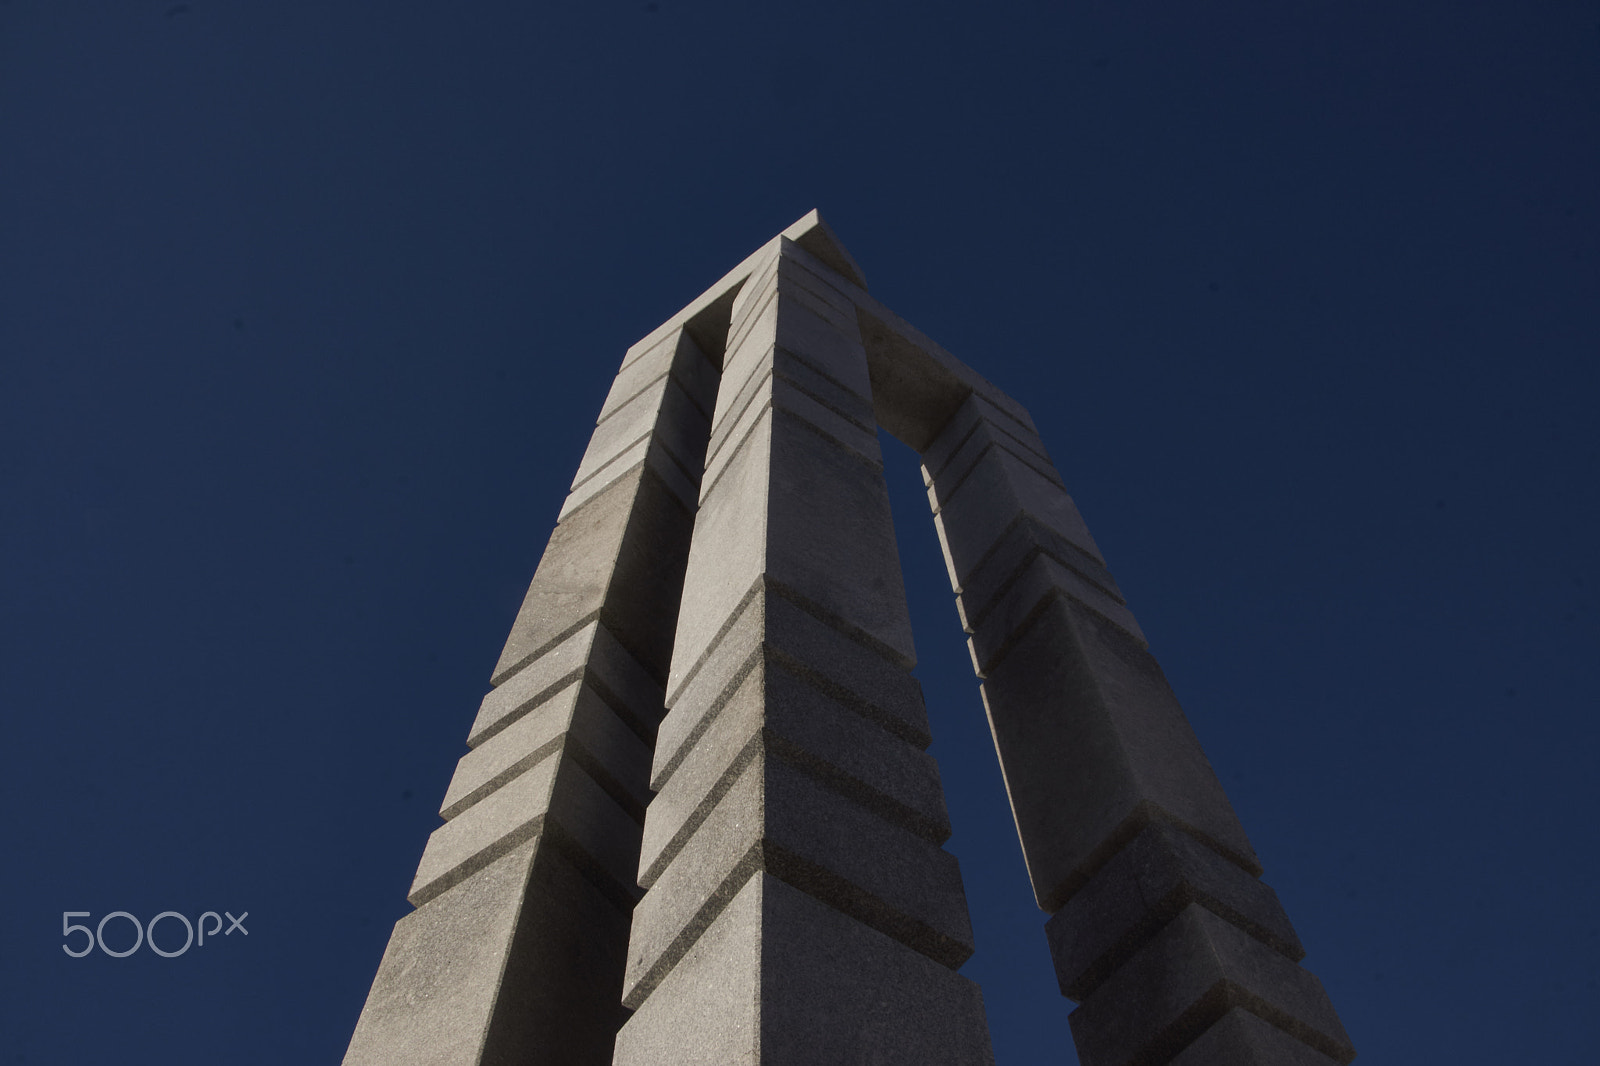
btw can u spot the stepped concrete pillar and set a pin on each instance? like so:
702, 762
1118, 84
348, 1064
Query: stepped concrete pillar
1160, 927
798, 905
524, 894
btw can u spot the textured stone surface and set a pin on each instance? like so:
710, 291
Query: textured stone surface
435, 990
977, 424
996, 630
781, 978
611, 752
831, 538
1242, 1039
777, 818
1091, 740
706, 1011
591, 654
844, 669
1145, 886
878, 770
973, 516
1022, 540
1184, 980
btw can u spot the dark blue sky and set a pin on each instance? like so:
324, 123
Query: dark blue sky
306, 311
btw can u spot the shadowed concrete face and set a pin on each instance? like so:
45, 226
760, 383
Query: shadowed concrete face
698, 822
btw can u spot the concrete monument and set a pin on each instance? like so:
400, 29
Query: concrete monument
697, 822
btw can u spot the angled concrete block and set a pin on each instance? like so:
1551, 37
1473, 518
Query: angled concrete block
995, 631
435, 992
709, 683
610, 751
830, 537
1242, 1039
746, 406
855, 756
727, 555
554, 790
662, 410
623, 682
1024, 538
731, 739
1144, 887
638, 375
830, 661
1186, 979
484, 832
825, 421
849, 670
778, 818
706, 1010
884, 876
827, 390
799, 288
537, 680
978, 413
834, 990
509, 752
694, 888
574, 573
780, 978
1092, 741
972, 519
943, 476
650, 452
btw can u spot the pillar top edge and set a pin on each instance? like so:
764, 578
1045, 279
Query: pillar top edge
814, 239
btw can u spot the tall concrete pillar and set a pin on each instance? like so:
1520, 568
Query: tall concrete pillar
698, 822
1160, 927
798, 905
524, 894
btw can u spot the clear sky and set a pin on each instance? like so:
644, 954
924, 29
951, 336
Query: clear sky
307, 309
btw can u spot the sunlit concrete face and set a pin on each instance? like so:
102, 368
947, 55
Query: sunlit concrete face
698, 822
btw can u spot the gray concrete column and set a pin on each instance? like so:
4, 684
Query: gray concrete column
1160, 928
517, 948
799, 907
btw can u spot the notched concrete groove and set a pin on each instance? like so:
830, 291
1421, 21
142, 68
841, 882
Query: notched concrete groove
730, 776
517, 837
854, 789
744, 440
606, 466
723, 630
640, 391
849, 698
849, 898
875, 465
723, 430
842, 626
975, 617
602, 776
642, 729
821, 401
715, 904
708, 719
1045, 600
623, 897
504, 777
